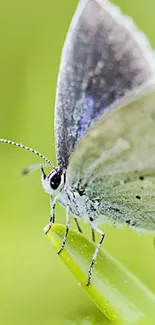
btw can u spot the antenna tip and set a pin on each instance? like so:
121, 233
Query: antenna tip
24, 172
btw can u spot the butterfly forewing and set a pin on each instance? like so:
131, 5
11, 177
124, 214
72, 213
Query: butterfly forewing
104, 57
114, 163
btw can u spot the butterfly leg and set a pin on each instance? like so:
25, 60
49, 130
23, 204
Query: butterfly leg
52, 214
67, 229
95, 228
78, 226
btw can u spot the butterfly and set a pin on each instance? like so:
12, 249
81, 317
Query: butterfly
104, 124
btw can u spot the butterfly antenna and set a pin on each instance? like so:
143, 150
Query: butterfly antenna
28, 149
33, 168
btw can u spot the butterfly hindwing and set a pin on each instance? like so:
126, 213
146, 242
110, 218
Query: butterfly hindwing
125, 198
114, 163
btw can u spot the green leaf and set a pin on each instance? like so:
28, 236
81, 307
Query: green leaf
115, 290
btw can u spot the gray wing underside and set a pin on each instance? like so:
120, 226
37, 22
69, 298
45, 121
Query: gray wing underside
103, 58
114, 163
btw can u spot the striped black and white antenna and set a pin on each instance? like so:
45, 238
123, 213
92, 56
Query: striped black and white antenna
34, 167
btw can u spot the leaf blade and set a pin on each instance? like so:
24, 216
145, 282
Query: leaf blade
115, 290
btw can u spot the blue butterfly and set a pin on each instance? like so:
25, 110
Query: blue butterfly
104, 124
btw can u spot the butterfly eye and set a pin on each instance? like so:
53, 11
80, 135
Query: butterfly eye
55, 180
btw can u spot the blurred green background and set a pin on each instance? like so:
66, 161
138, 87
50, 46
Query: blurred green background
35, 287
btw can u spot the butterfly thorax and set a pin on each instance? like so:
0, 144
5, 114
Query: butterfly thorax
80, 204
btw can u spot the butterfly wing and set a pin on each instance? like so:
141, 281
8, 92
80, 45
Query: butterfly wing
104, 56
114, 163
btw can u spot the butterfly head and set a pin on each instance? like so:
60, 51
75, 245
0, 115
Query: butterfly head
54, 181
